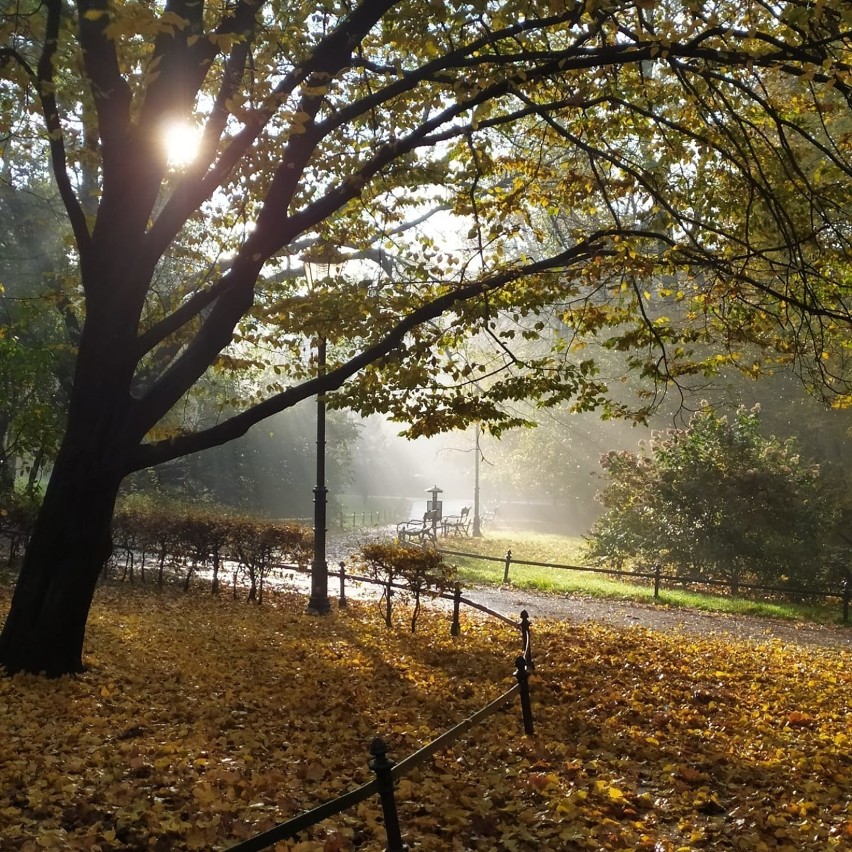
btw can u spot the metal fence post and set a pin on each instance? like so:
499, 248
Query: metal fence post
508, 563
657, 581
381, 764
526, 639
342, 584
523, 677
455, 627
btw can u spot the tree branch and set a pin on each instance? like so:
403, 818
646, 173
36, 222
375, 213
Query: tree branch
45, 83
156, 453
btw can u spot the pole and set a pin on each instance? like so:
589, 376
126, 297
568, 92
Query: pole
319, 602
343, 584
381, 764
455, 627
477, 521
523, 676
506, 567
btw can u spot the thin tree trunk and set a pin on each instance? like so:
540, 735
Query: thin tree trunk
214, 586
35, 471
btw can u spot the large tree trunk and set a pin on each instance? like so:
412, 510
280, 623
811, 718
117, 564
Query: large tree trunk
46, 625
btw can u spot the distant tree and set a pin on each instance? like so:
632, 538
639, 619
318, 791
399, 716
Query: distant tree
38, 327
31, 410
822, 432
717, 501
268, 472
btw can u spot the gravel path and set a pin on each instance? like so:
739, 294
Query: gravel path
617, 613
632, 614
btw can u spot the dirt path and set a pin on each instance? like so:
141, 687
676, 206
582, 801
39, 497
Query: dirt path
617, 613
632, 614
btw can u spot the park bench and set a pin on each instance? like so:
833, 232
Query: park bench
418, 530
457, 524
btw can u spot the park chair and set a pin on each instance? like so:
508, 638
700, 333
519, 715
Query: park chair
419, 530
457, 524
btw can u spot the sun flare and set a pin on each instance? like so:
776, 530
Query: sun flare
181, 141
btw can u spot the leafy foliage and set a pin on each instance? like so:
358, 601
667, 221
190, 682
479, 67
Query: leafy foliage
625, 166
717, 500
184, 540
419, 569
17, 518
682, 174
202, 720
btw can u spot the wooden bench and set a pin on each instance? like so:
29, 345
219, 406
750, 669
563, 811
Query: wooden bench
419, 530
457, 524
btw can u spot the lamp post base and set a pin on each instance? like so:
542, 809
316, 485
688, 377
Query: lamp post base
319, 605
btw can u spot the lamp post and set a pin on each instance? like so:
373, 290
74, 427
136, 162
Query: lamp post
319, 602
477, 521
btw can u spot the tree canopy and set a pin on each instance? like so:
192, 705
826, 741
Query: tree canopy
680, 168
681, 164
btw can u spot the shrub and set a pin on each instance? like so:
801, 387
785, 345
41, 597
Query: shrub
717, 501
419, 569
17, 519
261, 546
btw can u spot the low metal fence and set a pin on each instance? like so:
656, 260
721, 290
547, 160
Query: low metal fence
388, 771
373, 518
844, 593
455, 596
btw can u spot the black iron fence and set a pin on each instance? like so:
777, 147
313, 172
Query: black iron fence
390, 587
387, 771
843, 593
373, 518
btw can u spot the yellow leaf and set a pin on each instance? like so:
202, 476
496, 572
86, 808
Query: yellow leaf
315, 772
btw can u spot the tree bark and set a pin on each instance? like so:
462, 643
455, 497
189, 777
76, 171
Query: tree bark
45, 628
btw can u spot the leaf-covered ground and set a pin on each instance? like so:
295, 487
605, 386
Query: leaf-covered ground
202, 721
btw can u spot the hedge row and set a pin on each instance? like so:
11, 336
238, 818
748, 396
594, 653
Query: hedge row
183, 542
178, 543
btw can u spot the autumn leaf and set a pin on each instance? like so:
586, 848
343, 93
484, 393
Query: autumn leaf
204, 720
